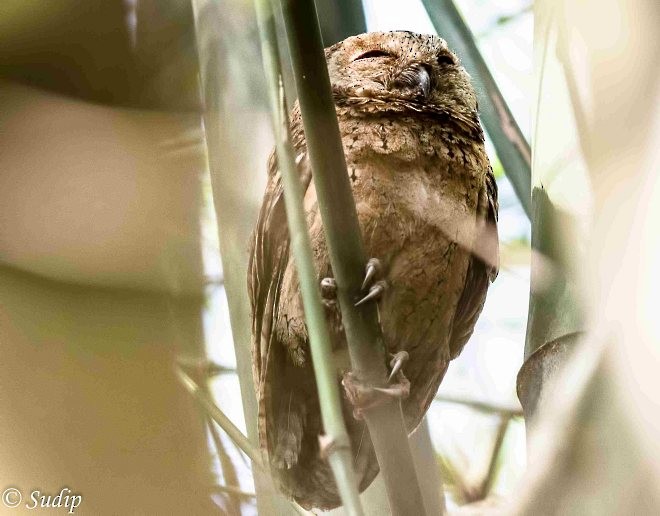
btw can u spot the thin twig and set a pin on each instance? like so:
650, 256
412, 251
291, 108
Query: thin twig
226, 464
232, 490
481, 406
489, 480
212, 410
207, 367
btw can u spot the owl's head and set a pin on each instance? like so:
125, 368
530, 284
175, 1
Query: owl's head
380, 69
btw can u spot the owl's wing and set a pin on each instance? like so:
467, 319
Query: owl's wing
268, 252
268, 259
482, 270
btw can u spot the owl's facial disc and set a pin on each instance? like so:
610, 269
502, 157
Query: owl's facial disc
400, 72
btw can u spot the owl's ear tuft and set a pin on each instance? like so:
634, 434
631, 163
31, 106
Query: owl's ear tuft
446, 59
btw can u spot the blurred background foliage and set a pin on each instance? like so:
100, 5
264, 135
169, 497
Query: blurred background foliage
127, 196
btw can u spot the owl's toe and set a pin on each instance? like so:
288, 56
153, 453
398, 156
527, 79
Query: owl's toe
329, 292
364, 396
373, 271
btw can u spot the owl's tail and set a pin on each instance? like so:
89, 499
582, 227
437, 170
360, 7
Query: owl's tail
296, 462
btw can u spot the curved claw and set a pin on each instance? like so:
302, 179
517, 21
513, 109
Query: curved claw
398, 359
374, 292
373, 269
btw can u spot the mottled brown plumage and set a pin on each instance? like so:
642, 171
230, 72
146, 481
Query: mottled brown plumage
427, 205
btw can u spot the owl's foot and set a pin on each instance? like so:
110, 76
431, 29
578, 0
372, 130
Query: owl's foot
363, 396
373, 281
329, 292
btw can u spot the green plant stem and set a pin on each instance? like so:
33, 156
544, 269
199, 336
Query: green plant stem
347, 256
221, 39
339, 449
511, 146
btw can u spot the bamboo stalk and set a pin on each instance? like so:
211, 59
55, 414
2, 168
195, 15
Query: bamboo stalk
347, 256
222, 35
340, 19
511, 146
556, 318
339, 451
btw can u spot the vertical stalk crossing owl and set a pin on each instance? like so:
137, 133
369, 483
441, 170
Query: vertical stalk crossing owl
426, 201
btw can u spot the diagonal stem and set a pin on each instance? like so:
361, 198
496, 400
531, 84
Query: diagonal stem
339, 450
214, 412
511, 146
347, 256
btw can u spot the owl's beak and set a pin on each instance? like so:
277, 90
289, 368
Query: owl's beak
415, 77
424, 81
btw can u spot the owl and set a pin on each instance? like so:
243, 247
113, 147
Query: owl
426, 201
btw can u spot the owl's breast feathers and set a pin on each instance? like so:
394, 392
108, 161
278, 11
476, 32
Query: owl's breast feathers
427, 203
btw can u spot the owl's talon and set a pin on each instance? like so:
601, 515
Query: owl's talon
398, 359
373, 270
375, 292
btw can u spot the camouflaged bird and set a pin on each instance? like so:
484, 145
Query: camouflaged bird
426, 201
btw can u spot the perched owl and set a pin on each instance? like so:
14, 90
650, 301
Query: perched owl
426, 201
